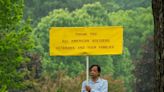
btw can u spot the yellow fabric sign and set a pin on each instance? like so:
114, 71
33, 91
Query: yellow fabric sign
77, 41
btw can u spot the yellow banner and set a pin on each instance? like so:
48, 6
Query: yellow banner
77, 41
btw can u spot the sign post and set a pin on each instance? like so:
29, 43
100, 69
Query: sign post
87, 69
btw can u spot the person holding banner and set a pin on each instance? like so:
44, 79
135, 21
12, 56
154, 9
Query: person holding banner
95, 84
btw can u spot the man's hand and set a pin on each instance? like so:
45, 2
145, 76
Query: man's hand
88, 88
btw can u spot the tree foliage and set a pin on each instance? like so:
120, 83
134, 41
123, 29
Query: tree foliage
138, 25
40, 8
145, 69
15, 42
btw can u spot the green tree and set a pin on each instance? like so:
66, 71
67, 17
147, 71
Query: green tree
132, 4
138, 25
145, 69
39, 8
123, 67
15, 42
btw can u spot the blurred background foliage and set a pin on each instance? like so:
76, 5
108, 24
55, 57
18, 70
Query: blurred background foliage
25, 64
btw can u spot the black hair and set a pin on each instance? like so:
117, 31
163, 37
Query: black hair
98, 68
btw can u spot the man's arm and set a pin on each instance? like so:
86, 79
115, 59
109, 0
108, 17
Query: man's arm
105, 86
83, 87
86, 88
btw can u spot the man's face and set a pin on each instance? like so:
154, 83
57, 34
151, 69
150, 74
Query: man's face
94, 72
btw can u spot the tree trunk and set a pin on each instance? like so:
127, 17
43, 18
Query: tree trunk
158, 13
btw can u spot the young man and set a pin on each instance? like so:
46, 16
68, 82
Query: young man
95, 84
